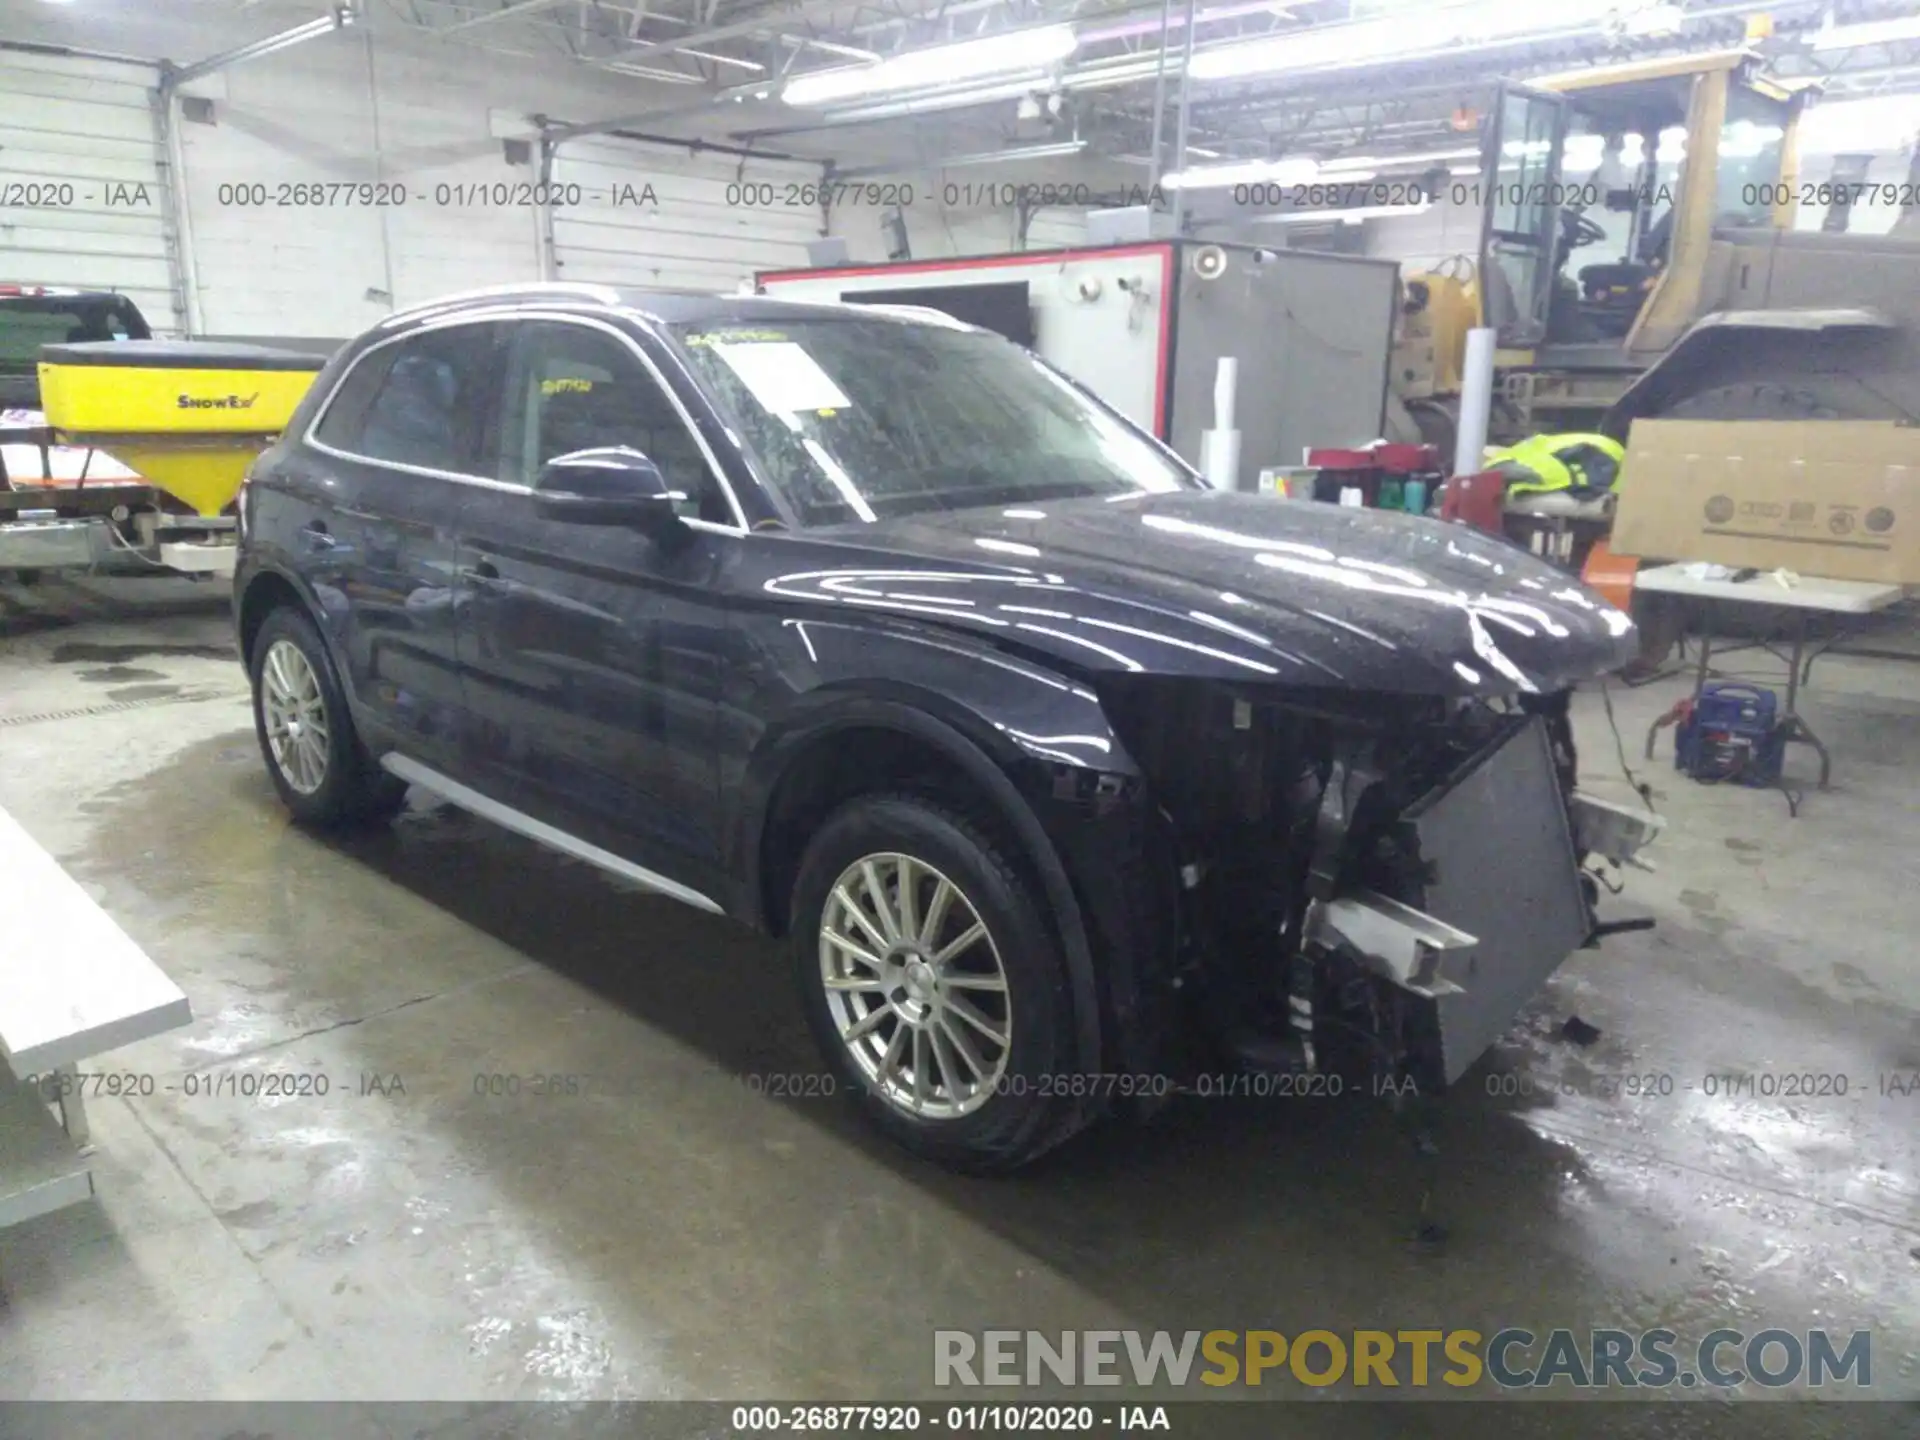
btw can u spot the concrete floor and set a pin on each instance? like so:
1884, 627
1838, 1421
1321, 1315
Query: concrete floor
695, 1239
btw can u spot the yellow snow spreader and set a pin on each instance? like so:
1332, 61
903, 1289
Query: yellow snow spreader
188, 416
129, 453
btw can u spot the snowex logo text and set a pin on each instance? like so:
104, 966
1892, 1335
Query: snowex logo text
218, 402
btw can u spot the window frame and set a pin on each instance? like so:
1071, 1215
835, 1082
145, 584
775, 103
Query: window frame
524, 339
490, 382
490, 410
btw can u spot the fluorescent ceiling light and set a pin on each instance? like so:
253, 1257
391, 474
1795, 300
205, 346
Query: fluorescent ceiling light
1402, 36
1013, 52
1344, 217
1375, 162
924, 104
1246, 172
1872, 32
648, 72
995, 157
717, 58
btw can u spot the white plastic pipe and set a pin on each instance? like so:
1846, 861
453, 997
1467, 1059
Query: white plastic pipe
1225, 380
1476, 401
1220, 458
1220, 446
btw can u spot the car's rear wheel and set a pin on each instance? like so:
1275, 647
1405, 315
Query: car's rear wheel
315, 759
935, 985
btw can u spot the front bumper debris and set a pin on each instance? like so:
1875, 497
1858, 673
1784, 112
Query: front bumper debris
1500, 903
1613, 832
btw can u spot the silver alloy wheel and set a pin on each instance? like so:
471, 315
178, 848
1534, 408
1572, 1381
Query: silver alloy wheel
915, 987
296, 717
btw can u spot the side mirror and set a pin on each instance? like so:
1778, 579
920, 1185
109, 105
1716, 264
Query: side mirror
610, 485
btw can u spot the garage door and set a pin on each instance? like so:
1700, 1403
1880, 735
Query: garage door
81, 198
710, 223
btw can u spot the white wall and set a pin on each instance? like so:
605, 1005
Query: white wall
81, 163
690, 219
385, 107
936, 231
394, 109
1420, 242
391, 111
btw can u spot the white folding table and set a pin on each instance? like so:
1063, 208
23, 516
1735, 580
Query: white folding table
73, 985
1807, 596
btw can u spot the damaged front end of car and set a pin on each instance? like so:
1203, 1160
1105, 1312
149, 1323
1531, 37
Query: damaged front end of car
1358, 884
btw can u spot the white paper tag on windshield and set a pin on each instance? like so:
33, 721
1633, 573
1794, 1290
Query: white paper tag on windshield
782, 376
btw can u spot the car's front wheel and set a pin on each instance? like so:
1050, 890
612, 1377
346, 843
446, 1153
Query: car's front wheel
321, 771
935, 985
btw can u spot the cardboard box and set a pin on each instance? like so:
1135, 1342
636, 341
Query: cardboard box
1833, 498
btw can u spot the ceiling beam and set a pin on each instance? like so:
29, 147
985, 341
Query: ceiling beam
505, 12
767, 20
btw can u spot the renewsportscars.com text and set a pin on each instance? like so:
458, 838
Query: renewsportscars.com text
1509, 1359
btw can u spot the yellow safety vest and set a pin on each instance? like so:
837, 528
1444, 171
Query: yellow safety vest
1587, 464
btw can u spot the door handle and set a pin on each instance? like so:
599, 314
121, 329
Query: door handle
479, 570
317, 536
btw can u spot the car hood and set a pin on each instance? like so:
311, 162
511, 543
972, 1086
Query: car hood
1232, 586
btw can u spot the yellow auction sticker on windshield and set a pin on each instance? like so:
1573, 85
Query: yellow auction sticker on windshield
736, 337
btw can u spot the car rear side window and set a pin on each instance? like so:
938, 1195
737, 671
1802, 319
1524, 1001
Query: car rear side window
415, 402
571, 387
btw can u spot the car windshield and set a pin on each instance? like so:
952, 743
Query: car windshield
862, 418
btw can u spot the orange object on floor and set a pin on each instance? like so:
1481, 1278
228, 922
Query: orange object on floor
1611, 574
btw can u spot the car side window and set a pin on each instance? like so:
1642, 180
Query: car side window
415, 402
572, 388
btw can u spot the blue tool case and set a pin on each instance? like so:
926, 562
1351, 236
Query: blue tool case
1732, 733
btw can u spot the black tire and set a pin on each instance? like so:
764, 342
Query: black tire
1032, 1108
353, 790
1808, 399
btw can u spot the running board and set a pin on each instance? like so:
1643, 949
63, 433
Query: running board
521, 823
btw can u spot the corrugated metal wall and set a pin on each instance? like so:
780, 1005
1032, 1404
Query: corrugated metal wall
325, 186
1421, 241
275, 253
708, 222
82, 198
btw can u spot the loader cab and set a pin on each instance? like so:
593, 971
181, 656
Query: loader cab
1602, 196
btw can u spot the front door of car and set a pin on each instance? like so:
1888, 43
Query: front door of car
398, 449
592, 651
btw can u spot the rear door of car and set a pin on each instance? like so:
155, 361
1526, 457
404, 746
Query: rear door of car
397, 451
592, 653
